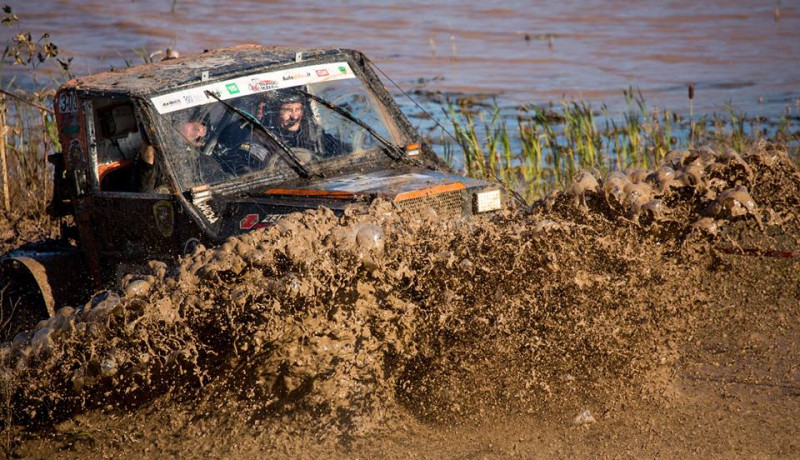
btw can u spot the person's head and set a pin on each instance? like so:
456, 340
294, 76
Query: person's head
287, 108
194, 131
290, 114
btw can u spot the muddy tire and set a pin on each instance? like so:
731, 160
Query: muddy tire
22, 305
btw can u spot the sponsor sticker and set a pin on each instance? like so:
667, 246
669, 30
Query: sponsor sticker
251, 84
215, 92
259, 86
71, 129
296, 76
75, 150
171, 103
164, 217
249, 221
207, 211
253, 221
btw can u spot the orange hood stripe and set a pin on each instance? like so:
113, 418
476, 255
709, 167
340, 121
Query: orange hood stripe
336, 194
430, 191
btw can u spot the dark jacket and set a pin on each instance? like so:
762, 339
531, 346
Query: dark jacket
144, 177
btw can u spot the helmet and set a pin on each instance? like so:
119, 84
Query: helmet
286, 96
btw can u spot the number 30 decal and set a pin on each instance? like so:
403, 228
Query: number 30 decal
68, 103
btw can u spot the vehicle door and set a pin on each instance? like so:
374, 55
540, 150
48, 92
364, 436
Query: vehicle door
131, 226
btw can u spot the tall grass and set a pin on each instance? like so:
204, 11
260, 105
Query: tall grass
29, 135
548, 144
28, 131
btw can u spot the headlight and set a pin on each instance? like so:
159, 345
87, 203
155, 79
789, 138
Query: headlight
488, 201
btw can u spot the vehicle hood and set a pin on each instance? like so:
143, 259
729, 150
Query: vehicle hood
390, 184
414, 189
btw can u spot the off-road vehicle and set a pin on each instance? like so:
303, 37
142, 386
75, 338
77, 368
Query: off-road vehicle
227, 157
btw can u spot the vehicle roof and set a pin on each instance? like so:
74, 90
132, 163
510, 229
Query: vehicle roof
156, 77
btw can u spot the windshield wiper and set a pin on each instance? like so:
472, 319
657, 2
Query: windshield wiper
294, 162
394, 152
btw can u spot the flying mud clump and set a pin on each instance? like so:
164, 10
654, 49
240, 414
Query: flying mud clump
699, 189
349, 321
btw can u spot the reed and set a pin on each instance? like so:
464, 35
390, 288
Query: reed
28, 132
25, 143
550, 143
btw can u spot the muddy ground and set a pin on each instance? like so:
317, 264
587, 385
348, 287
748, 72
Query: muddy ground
641, 314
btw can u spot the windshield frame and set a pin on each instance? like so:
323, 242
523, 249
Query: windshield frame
383, 104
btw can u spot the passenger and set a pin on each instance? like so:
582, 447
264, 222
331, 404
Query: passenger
290, 114
290, 119
144, 175
285, 115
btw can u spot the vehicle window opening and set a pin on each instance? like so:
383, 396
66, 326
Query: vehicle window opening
119, 143
209, 144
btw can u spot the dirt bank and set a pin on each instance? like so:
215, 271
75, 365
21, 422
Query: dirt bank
619, 317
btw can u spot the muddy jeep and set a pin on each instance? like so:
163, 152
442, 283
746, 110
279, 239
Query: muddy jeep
237, 139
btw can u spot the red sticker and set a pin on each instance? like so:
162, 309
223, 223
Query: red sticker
248, 222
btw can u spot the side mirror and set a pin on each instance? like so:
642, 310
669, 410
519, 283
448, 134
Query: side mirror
56, 208
56, 159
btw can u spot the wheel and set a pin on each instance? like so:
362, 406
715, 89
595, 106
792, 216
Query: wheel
22, 306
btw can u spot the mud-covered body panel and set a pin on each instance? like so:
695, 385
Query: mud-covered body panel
264, 206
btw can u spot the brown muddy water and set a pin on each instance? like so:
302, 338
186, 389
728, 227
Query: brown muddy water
613, 318
744, 52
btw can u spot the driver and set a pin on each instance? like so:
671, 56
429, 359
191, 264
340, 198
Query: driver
145, 177
194, 131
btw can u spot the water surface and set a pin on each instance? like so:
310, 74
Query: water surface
732, 51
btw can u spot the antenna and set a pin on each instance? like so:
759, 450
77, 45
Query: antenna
412, 100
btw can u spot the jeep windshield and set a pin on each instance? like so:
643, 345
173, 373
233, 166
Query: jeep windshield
273, 125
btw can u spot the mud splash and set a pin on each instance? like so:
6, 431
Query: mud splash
346, 326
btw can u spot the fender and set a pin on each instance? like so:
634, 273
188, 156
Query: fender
39, 273
59, 271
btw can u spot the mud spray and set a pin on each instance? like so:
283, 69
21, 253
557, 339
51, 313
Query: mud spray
335, 328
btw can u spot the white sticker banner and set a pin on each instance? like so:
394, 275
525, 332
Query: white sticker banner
252, 84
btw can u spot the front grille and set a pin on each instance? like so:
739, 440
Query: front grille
446, 204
